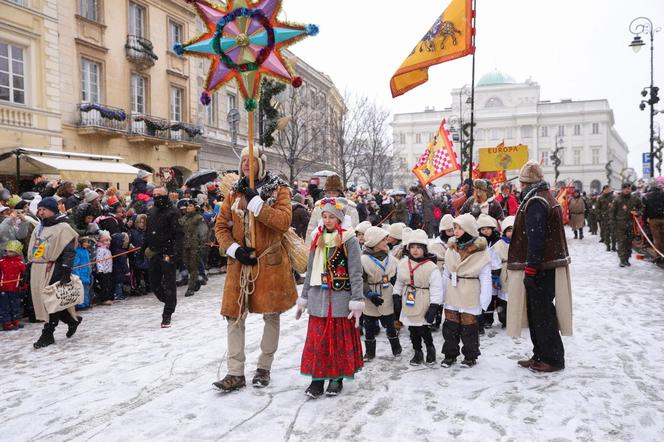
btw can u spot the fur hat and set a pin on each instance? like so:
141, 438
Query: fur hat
49, 203
14, 246
446, 222
485, 220
262, 161
507, 223
531, 172
336, 206
363, 227
405, 234
373, 236
396, 230
90, 196
467, 223
333, 183
418, 236
298, 198
481, 184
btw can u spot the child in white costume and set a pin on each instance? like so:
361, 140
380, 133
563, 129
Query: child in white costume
501, 249
488, 227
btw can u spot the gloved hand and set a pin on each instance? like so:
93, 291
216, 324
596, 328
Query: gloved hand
530, 278
356, 312
243, 254
66, 275
375, 298
495, 281
299, 311
431, 313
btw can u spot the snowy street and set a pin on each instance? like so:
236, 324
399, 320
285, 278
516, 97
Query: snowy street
121, 377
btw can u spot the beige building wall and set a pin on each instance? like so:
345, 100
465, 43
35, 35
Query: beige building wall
32, 31
104, 41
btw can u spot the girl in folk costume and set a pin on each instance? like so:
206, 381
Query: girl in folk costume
333, 295
488, 228
379, 269
501, 249
467, 290
438, 246
420, 285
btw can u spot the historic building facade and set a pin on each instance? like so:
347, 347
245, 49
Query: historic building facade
123, 91
513, 112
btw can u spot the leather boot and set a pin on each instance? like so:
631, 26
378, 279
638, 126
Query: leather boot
396, 345
46, 337
230, 383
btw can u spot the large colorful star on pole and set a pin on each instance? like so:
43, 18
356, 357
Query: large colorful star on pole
244, 42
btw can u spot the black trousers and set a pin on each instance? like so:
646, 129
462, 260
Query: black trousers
461, 327
104, 286
55, 318
371, 326
542, 320
501, 308
419, 334
162, 282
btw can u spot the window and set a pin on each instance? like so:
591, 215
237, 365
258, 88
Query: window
595, 153
211, 111
89, 9
544, 131
418, 137
595, 128
494, 134
20, 2
176, 103
577, 157
561, 131
577, 129
90, 72
136, 20
232, 102
509, 133
174, 34
12, 74
138, 94
527, 132
546, 159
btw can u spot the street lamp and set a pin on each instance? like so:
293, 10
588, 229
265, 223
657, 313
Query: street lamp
638, 26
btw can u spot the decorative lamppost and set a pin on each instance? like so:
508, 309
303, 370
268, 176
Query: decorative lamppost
638, 26
556, 159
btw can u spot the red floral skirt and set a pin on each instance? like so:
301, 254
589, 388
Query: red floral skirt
332, 353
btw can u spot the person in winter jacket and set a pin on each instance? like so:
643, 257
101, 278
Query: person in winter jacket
653, 213
481, 202
624, 207
83, 270
577, 214
501, 249
438, 246
12, 269
333, 295
192, 222
466, 291
507, 200
52, 256
301, 215
488, 228
119, 245
379, 270
104, 275
140, 184
138, 261
360, 230
14, 227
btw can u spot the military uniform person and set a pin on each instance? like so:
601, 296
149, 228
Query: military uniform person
604, 211
593, 214
192, 225
621, 215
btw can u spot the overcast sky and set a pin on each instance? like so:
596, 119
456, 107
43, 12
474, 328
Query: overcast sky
573, 48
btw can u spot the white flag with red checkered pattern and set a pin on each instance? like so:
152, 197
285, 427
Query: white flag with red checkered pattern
438, 159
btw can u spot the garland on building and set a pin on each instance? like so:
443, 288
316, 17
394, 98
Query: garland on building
152, 125
268, 115
144, 47
105, 112
192, 131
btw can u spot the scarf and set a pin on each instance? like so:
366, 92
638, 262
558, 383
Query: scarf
320, 255
506, 239
465, 240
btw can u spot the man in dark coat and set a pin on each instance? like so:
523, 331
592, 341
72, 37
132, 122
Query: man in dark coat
538, 254
654, 215
604, 204
140, 184
301, 215
624, 206
159, 248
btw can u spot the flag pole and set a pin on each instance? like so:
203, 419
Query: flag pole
472, 97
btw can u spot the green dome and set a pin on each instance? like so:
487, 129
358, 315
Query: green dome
495, 77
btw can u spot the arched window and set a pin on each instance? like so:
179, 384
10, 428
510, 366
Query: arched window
578, 185
494, 102
595, 186
144, 167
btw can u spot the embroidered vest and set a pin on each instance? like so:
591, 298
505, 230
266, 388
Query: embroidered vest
466, 293
417, 290
379, 281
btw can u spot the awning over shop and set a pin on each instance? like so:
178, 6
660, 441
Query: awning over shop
76, 167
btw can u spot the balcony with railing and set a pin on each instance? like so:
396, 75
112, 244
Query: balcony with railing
101, 120
184, 136
140, 51
148, 129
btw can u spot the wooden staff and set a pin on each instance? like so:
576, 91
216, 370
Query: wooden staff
252, 220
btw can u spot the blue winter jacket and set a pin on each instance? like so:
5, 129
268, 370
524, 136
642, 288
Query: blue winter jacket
85, 273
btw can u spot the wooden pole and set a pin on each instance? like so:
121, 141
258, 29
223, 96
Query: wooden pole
250, 138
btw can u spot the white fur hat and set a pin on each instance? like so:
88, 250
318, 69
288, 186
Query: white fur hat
418, 237
467, 223
373, 236
362, 227
262, 161
485, 220
507, 223
396, 230
446, 222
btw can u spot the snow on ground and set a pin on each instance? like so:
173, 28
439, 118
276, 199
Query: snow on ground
123, 378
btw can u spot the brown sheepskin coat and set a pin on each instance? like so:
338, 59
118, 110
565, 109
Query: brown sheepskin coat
275, 286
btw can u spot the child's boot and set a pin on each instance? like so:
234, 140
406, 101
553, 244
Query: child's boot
396, 345
431, 355
370, 352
